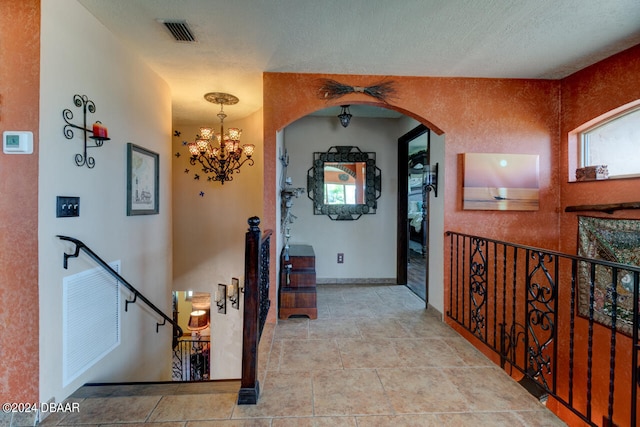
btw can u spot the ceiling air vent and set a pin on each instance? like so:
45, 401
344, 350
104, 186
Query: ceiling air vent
179, 30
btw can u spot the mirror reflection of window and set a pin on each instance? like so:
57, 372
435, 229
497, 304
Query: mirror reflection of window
337, 194
344, 183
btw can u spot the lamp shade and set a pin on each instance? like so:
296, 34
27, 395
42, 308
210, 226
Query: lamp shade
206, 133
234, 134
198, 320
248, 149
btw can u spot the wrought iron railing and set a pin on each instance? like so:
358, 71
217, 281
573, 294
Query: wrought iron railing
79, 245
191, 360
554, 320
256, 307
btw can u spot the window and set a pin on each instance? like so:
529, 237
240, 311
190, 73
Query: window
614, 142
340, 194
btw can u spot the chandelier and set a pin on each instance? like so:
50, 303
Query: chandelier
220, 154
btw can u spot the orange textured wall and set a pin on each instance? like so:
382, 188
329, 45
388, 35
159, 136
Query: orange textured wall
586, 95
475, 115
19, 110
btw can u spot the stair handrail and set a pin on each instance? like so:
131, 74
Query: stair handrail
80, 245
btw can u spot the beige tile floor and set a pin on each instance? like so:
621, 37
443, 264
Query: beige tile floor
374, 357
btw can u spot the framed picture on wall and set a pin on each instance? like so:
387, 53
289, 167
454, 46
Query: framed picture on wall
501, 182
143, 177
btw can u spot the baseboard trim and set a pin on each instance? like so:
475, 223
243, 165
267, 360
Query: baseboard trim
356, 281
435, 310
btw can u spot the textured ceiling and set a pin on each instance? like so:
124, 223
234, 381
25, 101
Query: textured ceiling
236, 41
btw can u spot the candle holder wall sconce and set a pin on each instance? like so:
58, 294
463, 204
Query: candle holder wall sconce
98, 131
221, 298
234, 293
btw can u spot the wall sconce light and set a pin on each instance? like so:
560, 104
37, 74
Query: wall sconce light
198, 320
221, 298
234, 293
240, 285
431, 178
98, 131
345, 115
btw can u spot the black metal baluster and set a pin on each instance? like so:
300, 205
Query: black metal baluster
459, 275
450, 274
513, 305
572, 321
495, 293
528, 356
556, 297
634, 354
612, 355
504, 296
464, 275
592, 286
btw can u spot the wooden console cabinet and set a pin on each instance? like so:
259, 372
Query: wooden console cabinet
298, 282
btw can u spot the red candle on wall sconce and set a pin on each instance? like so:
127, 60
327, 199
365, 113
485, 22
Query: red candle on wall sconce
99, 131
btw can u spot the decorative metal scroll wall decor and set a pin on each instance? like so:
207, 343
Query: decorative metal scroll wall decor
98, 131
370, 185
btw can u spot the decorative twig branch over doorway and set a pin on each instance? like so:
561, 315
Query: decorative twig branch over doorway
331, 89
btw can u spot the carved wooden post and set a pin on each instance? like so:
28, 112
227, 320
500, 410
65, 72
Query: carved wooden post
249, 386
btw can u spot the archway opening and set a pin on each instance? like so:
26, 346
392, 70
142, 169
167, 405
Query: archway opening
339, 257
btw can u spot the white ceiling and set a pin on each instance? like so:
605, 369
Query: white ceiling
238, 40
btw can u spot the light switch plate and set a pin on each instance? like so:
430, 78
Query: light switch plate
67, 206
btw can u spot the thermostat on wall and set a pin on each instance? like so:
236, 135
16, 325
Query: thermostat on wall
17, 142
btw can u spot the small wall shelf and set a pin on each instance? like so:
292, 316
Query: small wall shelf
607, 208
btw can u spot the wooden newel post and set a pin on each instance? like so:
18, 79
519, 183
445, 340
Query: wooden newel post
249, 386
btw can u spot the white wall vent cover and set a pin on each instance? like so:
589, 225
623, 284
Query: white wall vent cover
91, 319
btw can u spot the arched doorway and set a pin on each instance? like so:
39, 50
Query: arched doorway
302, 209
290, 97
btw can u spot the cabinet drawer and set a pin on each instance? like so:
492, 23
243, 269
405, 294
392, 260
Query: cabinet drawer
296, 298
300, 263
301, 257
301, 280
298, 279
